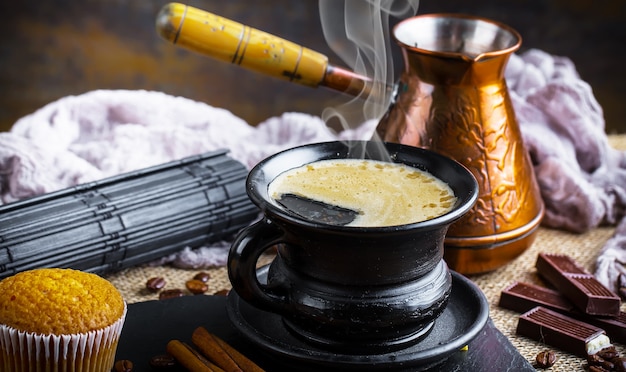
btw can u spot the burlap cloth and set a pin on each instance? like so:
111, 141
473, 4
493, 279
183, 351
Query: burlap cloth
584, 248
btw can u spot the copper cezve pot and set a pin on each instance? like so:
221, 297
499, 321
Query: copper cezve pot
451, 98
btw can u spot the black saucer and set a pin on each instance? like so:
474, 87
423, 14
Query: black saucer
465, 316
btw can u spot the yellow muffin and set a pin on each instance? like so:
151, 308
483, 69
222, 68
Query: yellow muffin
76, 316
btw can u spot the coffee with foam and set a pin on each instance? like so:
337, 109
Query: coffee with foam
383, 194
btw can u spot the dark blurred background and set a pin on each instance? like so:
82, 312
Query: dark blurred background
51, 49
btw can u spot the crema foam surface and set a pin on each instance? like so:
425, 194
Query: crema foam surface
384, 194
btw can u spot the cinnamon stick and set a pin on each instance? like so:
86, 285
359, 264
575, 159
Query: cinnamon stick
207, 345
246, 364
199, 355
189, 359
221, 353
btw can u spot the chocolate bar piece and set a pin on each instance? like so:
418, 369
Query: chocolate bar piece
522, 297
566, 333
580, 287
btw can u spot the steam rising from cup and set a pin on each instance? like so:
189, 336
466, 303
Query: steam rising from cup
358, 32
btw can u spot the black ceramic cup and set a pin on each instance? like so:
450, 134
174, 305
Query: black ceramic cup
350, 289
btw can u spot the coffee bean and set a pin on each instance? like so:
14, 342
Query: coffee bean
607, 365
221, 292
608, 353
620, 364
163, 361
170, 293
155, 284
123, 366
545, 359
202, 276
196, 286
594, 359
598, 369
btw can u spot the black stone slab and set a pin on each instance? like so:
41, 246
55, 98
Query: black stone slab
150, 325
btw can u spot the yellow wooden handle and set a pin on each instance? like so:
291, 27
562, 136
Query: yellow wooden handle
229, 41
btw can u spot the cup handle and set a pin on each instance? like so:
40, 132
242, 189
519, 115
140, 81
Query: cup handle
244, 254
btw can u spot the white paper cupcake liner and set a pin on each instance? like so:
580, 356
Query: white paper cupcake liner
30, 352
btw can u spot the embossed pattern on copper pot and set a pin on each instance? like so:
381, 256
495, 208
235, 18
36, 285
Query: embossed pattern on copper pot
452, 98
